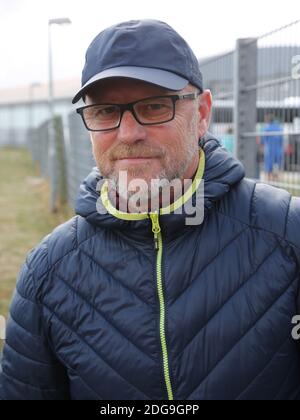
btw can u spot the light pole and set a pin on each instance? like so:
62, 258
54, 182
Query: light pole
52, 148
32, 86
30, 131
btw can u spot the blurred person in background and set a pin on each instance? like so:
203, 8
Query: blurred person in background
129, 302
273, 147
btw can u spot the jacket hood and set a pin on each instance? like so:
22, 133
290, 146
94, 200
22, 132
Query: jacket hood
222, 171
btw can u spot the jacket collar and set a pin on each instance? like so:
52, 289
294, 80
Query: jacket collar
221, 172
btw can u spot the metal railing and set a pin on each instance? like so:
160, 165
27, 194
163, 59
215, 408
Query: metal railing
218, 75
277, 129
256, 91
79, 154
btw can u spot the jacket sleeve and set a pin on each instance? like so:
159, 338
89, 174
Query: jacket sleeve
29, 369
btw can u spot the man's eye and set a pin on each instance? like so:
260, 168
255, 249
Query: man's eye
106, 111
156, 106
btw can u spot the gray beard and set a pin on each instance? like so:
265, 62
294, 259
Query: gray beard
165, 177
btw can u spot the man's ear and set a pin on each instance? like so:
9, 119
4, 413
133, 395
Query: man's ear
205, 112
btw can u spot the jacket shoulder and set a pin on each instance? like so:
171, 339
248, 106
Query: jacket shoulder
270, 208
293, 223
265, 207
55, 246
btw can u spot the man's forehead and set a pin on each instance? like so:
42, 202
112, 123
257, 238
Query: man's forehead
116, 88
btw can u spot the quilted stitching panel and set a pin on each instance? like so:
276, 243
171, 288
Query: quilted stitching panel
109, 322
225, 302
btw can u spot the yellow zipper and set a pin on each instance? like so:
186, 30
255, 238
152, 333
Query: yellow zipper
159, 248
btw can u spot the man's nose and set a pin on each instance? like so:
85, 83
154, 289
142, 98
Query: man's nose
130, 129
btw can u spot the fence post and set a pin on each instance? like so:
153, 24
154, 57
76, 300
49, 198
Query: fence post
52, 166
61, 175
245, 114
2, 327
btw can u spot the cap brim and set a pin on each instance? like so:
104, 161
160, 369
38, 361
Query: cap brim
157, 77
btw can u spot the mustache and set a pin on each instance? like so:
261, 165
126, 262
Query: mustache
122, 152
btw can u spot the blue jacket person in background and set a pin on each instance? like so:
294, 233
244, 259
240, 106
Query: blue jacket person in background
273, 143
129, 301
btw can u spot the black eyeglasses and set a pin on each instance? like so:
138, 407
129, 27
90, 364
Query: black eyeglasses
149, 111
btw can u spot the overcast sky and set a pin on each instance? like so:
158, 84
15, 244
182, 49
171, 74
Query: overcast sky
210, 27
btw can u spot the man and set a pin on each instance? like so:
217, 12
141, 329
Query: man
135, 302
273, 147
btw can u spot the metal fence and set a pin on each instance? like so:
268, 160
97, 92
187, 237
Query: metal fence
79, 154
63, 154
277, 132
256, 115
256, 90
218, 75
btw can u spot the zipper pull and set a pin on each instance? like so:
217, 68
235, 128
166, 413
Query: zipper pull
155, 229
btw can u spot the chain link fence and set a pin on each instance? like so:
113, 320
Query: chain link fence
218, 75
60, 160
256, 91
277, 91
79, 154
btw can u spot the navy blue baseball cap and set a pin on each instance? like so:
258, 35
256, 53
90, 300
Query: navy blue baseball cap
147, 50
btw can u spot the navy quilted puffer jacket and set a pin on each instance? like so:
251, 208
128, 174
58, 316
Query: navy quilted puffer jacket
101, 313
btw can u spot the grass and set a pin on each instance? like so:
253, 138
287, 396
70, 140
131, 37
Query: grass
24, 216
